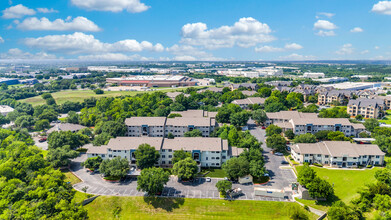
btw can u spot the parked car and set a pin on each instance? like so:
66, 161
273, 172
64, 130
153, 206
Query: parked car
284, 162
263, 127
244, 128
278, 154
43, 139
208, 179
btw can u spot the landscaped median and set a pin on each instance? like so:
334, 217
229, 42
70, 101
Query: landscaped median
111, 207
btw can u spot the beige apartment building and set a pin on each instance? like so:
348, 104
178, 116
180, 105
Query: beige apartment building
328, 97
368, 108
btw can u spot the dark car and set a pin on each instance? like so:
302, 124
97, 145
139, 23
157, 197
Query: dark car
263, 127
284, 162
42, 139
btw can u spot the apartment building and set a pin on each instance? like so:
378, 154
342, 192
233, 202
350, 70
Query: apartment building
252, 86
368, 108
339, 154
329, 97
161, 126
244, 103
286, 116
387, 101
310, 125
207, 152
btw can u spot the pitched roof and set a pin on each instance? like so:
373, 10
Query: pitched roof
287, 115
249, 100
150, 121
65, 127
195, 143
132, 143
362, 102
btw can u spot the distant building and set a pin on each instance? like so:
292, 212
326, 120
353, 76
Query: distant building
368, 108
313, 75
340, 154
286, 116
154, 81
244, 103
5, 109
173, 95
332, 80
252, 86
249, 93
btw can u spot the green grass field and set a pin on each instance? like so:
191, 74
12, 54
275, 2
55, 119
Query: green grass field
346, 182
70, 177
216, 173
111, 207
80, 95
388, 117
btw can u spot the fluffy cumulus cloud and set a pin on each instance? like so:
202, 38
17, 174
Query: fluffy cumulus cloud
356, 30
1, 40
382, 7
114, 57
17, 54
268, 49
324, 24
80, 43
17, 11
346, 49
325, 14
133, 6
190, 53
246, 32
295, 56
323, 33
44, 24
46, 10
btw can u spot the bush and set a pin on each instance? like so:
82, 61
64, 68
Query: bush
99, 91
369, 166
317, 164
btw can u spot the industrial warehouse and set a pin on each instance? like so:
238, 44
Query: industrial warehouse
154, 81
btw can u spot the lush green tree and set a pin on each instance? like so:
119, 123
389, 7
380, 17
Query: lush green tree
223, 186
382, 131
265, 92
384, 175
273, 129
113, 128
371, 124
337, 136
193, 133
174, 115
312, 99
276, 142
335, 112
72, 118
102, 139
305, 175
50, 101
309, 109
48, 114
299, 215
146, 156
320, 188
99, 91
24, 121
322, 135
259, 116
275, 107
117, 167
305, 138
289, 134
59, 157
239, 119
46, 96
92, 163
180, 155
364, 135
42, 124
3, 120
382, 202
359, 117
152, 180
74, 140
185, 169
170, 136
236, 167
340, 211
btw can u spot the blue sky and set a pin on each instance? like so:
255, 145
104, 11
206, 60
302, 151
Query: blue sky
195, 30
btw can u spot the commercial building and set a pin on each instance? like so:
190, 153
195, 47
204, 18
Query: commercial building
311, 125
154, 81
178, 126
244, 103
207, 152
5, 109
341, 154
354, 85
332, 80
313, 75
368, 108
334, 96
286, 116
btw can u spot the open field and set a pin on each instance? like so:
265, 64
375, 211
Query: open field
111, 207
346, 182
80, 95
70, 177
388, 117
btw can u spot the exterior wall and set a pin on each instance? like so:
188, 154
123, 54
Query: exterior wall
152, 131
179, 131
370, 112
348, 130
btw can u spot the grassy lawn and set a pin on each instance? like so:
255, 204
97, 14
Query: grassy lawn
313, 204
69, 177
217, 173
346, 182
111, 207
81, 196
80, 95
388, 117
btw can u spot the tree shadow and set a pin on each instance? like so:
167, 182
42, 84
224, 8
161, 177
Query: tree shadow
168, 204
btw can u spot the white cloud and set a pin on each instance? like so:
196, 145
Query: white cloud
325, 33
16, 54
326, 14
80, 43
268, 49
382, 7
133, 6
17, 11
325, 25
364, 52
114, 57
190, 53
246, 32
77, 24
295, 56
345, 49
377, 47
1, 40
46, 10
356, 30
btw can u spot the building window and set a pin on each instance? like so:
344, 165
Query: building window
169, 156
319, 155
163, 162
213, 158
163, 156
169, 162
169, 150
217, 164
377, 156
217, 158
326, 156
223, 157
206, 158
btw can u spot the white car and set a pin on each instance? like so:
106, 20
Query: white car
279, 154
208, 179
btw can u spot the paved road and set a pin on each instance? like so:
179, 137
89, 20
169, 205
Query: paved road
199, 189
281, 175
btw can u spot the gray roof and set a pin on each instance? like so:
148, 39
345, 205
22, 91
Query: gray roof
235, 151
249, 100
212, 89
323, 121
249, 93
66, 127
287, 115
362, 102
338, 149
173, 95
195, 143
335, 92
150, 121
195, 113
132, 143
